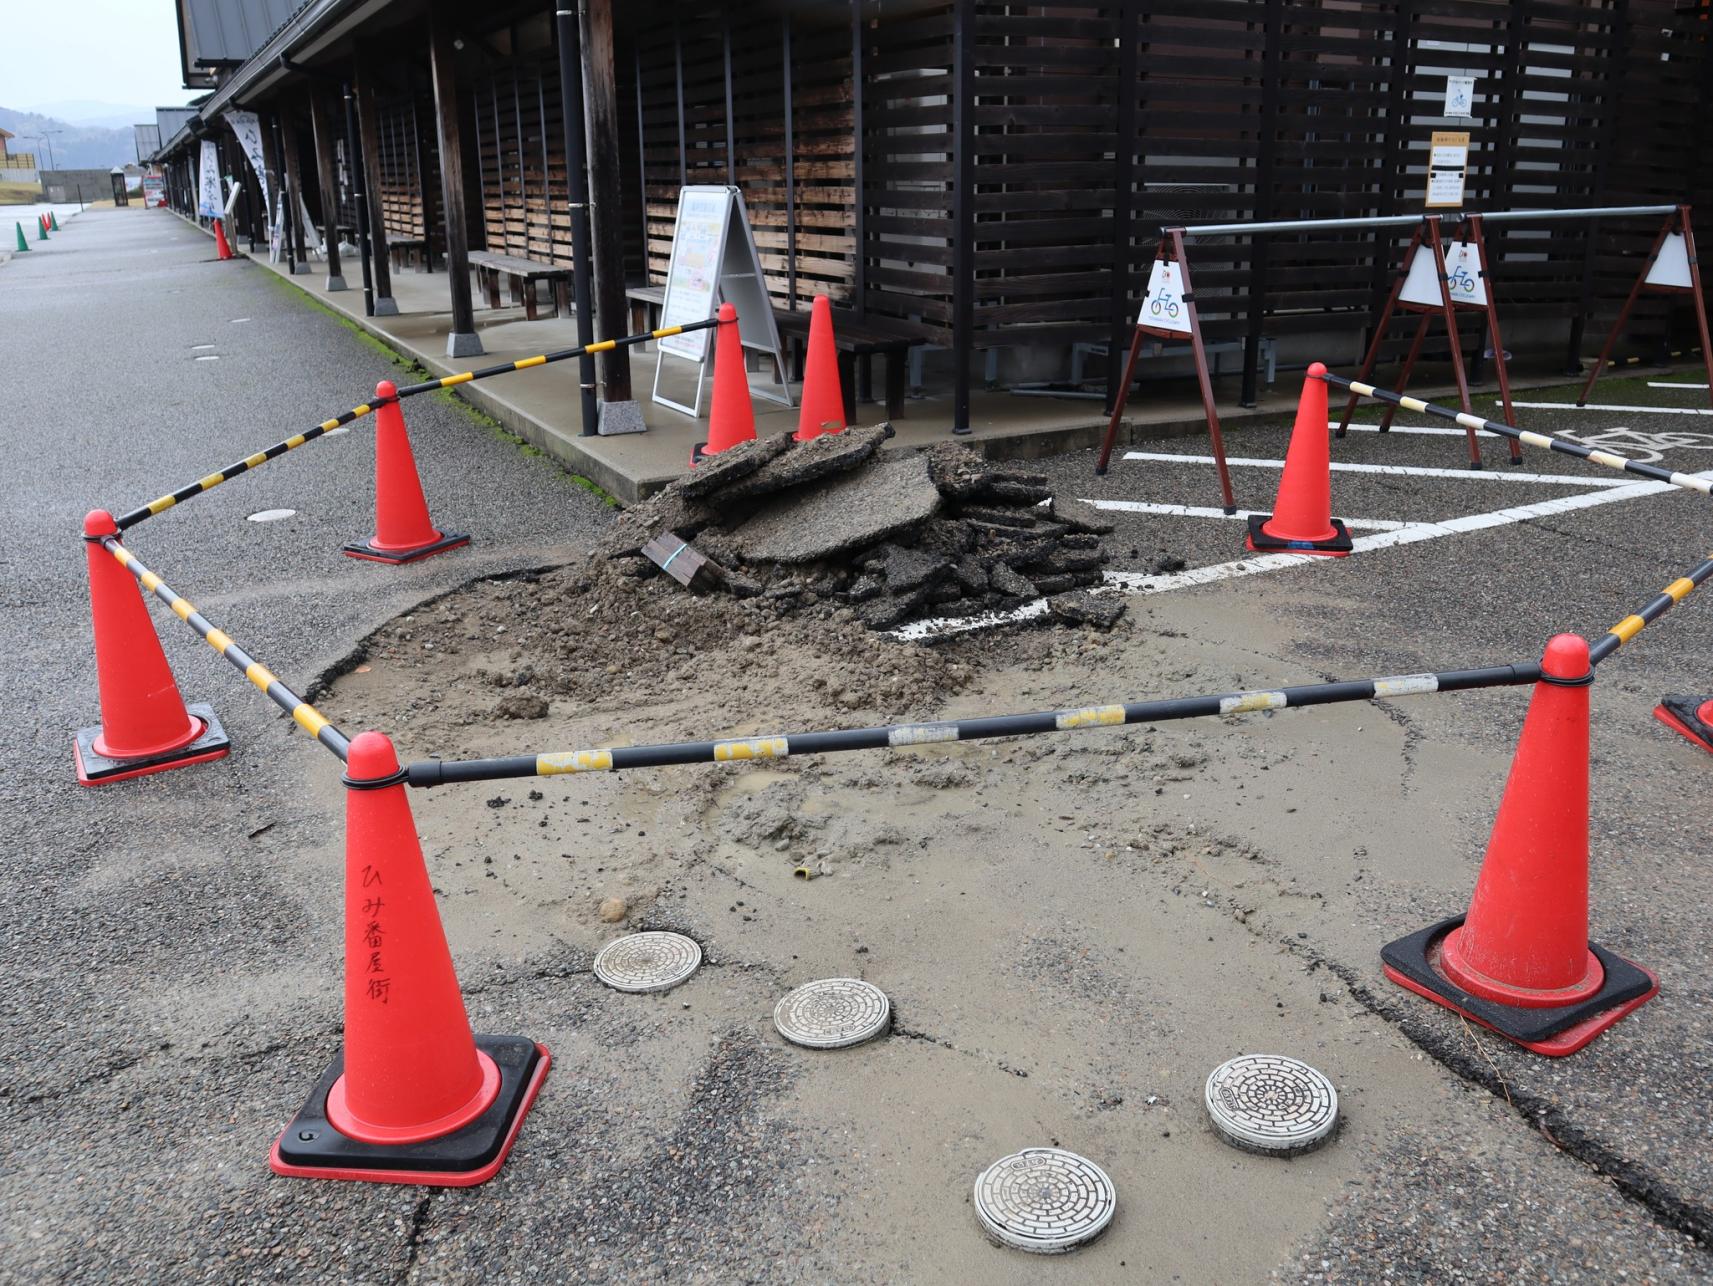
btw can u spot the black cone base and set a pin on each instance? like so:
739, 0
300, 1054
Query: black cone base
97, 770
396, 556
1261, 542
1563, 1029
311, 1148
1683, 715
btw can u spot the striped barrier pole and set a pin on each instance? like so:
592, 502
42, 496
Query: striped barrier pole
1636, 622
307, 716
544, 359
231, 471
436, 772
1688, 481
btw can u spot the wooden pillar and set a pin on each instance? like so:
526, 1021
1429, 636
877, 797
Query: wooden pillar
294, 185
369, 139
327, 177
963, 210
461, 341
1260, 248
859, 210
1123, 198
601, 118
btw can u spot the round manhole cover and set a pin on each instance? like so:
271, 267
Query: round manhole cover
272, 515
651, 961
1044, 1200
832, 1013
1271, 1104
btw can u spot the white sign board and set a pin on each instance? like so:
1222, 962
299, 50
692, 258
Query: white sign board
1460, 95
1464, 280
232, 198
1671, 269
208, 185
1163, 306
714, 262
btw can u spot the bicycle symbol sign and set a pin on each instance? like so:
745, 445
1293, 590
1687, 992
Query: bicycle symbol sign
1461, 281
1164, 306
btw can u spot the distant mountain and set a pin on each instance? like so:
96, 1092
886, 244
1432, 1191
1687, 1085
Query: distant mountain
91, 112
74, 147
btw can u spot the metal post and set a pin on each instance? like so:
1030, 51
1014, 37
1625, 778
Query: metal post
571, 113
790, 164
359, 201
1123, 210
859, 229
1267, 145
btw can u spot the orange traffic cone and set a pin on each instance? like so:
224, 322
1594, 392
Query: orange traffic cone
1302, 521
823, 398
145, 725
731, 418
414, 1097
1690, 716
221, 249
1520, 962
403, 531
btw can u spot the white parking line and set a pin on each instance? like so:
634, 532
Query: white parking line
1606, 406
1670, 384
1399, 470
1242, 515
1144, 583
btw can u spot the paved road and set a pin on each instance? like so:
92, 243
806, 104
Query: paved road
140, 363
170, 954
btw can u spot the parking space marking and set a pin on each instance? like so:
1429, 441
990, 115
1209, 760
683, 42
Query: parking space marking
1607, 406
1421, 430
1397, 470
1242, 515
1411, 533
1672, 384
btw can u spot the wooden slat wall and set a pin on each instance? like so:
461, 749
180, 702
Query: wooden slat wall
520, 142
402, 182
749, 147
1275, 109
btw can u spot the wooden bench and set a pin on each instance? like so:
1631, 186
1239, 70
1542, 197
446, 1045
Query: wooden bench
858, 343
523, 274
407, 252
645, 305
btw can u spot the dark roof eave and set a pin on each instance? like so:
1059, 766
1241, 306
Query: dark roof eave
317, 25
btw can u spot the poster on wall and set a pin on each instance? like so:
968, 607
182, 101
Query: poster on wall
1448, 165
208, 186
1460, 96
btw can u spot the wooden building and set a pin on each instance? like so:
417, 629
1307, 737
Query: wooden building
986, 176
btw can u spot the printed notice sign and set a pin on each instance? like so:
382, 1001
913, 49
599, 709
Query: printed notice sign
1448, 164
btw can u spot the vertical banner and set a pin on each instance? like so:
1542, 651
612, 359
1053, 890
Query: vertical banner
208, 195
249, 132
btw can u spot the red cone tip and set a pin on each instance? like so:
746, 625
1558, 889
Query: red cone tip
371, 757
1566, 657
386, 388
98, 522
728, 313
1317, 370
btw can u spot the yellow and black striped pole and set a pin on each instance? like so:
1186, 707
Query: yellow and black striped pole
436, 772
1611, 460
231, 471
544, 359
306, 716
135, 516
1636, 622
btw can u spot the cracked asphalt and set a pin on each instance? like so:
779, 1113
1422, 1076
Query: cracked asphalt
171, 971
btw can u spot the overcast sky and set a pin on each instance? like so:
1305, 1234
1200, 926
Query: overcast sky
114, 51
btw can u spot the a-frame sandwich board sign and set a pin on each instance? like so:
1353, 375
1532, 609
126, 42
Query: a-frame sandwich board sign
1436, 279
714, 261
1670, 268
1169, 313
